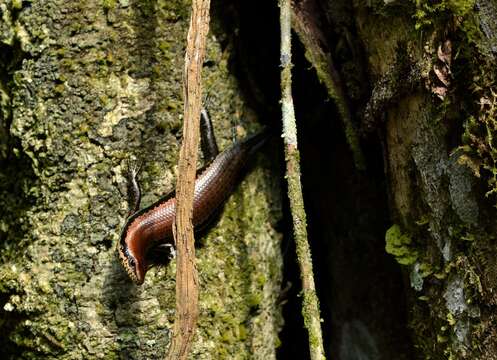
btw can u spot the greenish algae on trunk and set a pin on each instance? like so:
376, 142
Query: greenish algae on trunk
443, 223
100, 82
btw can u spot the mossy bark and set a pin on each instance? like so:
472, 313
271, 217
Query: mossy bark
435, 140
89, 85
420, 76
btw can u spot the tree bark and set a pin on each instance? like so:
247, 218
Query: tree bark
431, 83
419, 77
86, 86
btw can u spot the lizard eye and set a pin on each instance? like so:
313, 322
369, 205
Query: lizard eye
131, 263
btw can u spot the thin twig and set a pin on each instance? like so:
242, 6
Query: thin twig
312, 38
310, 306
185, 321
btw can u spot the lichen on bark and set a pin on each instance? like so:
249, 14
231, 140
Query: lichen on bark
434, 196
100, 82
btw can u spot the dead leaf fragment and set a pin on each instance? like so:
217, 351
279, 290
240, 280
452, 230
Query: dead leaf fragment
442, 73
444, 52
440, 91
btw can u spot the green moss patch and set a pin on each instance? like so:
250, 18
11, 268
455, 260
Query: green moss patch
399, 245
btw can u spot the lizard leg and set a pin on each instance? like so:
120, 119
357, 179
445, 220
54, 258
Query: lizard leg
134, 191
208, 142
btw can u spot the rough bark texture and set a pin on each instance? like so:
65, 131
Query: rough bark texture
422, 100
420, 76
84, 86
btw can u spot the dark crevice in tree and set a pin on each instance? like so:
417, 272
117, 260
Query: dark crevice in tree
16, 180
255, 62
11, 57
254, 49
16, 174
360, 286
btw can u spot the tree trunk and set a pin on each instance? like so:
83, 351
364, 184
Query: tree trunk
85, 86
420, 76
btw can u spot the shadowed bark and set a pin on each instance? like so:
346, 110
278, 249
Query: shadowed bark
426, 106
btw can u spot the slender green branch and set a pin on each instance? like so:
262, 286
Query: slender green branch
310, 306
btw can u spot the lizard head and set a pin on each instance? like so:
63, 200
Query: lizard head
132, 261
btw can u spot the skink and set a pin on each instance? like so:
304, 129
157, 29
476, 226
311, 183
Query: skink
152, 225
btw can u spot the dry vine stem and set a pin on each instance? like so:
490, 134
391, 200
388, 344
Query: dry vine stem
310, 305
185, 321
